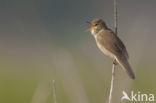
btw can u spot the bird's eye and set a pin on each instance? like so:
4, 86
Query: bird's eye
96, 24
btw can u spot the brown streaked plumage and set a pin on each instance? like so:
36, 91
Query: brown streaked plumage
110, 44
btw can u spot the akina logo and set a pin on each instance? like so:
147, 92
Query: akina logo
138, 97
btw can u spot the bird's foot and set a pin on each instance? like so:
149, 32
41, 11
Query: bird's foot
114, 62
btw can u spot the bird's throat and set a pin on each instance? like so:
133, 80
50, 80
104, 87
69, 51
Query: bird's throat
94, 32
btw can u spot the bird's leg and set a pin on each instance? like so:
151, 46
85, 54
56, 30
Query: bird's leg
114, 62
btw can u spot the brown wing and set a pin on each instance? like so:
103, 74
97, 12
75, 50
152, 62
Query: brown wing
112, 43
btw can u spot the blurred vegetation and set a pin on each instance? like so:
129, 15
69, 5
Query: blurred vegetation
25, 82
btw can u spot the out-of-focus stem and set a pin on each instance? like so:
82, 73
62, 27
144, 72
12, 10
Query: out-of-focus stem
54, 91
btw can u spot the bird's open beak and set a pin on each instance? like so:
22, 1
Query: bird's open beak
92, 26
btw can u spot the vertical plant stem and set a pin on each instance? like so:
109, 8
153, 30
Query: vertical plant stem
113, 65
115, 17
112, 83
54, 91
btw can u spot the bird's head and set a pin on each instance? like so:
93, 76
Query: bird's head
96, 26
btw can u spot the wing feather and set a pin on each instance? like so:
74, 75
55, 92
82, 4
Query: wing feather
112, 43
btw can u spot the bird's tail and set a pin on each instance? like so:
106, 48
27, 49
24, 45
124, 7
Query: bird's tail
124, 63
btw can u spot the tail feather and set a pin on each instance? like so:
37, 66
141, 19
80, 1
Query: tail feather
124, 63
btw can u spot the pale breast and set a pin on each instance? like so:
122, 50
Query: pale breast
103, 49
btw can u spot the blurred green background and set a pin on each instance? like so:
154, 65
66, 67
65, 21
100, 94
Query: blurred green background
42, 40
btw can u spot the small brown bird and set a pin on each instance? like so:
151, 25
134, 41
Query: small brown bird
110, 44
